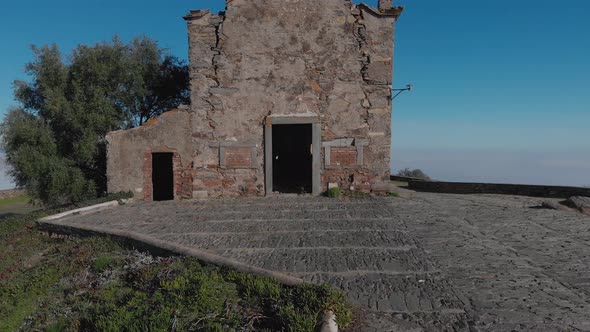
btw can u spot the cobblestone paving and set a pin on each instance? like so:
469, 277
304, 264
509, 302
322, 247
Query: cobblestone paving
435, 262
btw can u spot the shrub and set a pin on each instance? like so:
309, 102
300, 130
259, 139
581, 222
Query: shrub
292, 308
334, 192
102, 263
58, 326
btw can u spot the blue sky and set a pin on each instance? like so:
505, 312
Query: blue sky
502, 83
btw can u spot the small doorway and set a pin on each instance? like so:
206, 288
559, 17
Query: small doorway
162, 176
292, 158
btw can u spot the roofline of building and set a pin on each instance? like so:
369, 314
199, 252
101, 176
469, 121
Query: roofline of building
196, 14
394, 12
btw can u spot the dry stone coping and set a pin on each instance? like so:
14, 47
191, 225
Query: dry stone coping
82, 211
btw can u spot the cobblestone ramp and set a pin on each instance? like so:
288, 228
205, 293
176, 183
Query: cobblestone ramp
517, 268
360, 246
432, 263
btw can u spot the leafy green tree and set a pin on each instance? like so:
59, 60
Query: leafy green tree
55, 139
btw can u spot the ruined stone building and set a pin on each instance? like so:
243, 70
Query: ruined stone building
287, 96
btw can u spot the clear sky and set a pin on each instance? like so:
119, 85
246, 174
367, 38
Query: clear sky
501, 87
5, 180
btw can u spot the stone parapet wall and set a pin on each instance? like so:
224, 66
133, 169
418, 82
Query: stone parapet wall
405, 178
494, 188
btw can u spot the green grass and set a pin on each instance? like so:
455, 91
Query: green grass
97, 284
102, 263
59, 326
15, 205
15, 200
393, 194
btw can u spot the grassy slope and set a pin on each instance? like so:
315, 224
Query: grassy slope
58, 284
15, 205
14, 200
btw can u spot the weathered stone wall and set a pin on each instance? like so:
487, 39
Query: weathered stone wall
259, 58
330, 60
129, 154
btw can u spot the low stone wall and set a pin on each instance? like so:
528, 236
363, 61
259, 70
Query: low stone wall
495, 188
11, 193
404, 178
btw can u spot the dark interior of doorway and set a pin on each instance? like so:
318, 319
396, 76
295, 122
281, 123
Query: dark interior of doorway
292, 158
162, 176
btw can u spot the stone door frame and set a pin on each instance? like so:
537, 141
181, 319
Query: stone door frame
316, 147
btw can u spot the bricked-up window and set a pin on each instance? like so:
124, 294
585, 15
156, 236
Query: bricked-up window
238, 157
344, 152
343, 156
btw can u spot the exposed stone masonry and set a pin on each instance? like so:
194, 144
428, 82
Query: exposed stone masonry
330, 59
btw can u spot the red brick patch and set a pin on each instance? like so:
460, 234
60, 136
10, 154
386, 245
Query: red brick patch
238, 157
343, 156
147, 177
212, 183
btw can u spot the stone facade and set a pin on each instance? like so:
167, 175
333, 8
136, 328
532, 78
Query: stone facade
129, 155
329, 62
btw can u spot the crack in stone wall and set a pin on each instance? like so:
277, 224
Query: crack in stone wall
218, 23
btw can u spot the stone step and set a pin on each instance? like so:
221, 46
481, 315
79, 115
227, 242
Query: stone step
266, 204
288, 239
409, 293
256, 226
274, 214
333, 260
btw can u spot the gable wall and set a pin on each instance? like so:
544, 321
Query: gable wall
261, 57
